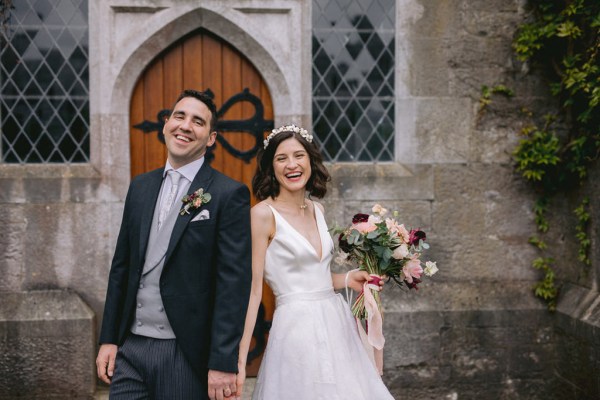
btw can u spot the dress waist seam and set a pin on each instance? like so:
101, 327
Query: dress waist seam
304, 296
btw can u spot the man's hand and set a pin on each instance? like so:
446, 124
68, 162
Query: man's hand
105, 362
221, 385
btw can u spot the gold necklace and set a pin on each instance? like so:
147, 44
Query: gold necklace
302, 206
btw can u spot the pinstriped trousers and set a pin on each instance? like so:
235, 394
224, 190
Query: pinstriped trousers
154, 369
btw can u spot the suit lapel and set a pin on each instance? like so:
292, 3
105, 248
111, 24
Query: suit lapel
151, 195
202, 180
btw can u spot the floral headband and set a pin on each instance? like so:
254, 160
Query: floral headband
288, 128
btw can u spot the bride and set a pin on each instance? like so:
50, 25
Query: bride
314, 350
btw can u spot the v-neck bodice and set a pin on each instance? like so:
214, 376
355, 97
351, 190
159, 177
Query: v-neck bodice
292, 264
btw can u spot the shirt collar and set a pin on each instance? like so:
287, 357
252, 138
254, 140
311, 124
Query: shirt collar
188, 171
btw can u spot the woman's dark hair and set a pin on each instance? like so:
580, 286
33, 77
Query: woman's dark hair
264, 183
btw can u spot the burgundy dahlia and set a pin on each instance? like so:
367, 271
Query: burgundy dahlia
415, 235
413, 284
360, 218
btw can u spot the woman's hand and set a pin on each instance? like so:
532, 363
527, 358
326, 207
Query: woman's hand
356, 280
241, 378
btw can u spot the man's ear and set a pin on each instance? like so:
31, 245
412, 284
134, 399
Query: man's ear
211, 138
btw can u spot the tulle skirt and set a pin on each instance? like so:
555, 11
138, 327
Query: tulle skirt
314, 352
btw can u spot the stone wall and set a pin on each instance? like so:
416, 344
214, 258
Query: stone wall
577, 326
475, 330
46, 345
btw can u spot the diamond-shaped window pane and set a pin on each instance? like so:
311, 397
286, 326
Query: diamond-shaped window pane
353, 79
44, 66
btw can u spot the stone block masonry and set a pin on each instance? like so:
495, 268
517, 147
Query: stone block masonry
47, 346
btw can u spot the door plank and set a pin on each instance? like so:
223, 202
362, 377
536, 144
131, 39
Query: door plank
232, 84
155, 151
136, 142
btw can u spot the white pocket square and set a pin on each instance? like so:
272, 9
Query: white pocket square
202, 215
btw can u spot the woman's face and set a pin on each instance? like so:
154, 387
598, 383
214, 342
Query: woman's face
291, 165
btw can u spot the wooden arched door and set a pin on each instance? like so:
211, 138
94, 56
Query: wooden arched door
203, 61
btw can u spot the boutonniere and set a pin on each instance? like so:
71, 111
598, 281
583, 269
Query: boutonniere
194, 200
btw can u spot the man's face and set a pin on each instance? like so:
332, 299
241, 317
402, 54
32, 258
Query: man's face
187, 132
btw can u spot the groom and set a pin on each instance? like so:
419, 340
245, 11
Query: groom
180, 278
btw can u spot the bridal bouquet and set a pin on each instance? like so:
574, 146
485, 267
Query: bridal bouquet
382, 246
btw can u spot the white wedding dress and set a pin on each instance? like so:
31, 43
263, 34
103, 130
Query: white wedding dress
314, 350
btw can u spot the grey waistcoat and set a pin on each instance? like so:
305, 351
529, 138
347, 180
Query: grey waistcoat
150, 317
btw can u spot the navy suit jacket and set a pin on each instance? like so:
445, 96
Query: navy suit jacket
205, 282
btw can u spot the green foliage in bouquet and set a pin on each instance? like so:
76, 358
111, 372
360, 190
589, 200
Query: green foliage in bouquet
383, 247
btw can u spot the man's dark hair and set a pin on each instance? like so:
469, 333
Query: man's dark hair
204, 97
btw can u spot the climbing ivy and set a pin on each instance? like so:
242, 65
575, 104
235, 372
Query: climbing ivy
562, 39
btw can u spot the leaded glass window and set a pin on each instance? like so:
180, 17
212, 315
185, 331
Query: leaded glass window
44, 91
353, 78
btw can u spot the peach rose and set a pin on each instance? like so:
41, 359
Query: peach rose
364, 227
400, 252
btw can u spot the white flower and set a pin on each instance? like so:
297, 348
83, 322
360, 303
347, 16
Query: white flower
400, 252
342, 258
374, 219
378, 209
430, 268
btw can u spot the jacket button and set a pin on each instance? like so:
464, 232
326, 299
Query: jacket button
161, 309
161, 327
141, 285
139, 305
139, 323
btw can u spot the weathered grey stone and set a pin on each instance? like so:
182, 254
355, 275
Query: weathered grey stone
494, 5
483, 198
437, 294
437, 20
67, 245
489, 23
9, 191
465, 354
441, 132
47, 346
578, 344
471, 50
12, 243
380, 182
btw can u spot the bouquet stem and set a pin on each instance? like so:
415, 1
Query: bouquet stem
369, 264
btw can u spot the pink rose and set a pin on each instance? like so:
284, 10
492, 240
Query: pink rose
364, 227
412, 269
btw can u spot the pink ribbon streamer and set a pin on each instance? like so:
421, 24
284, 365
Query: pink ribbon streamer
374, 322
